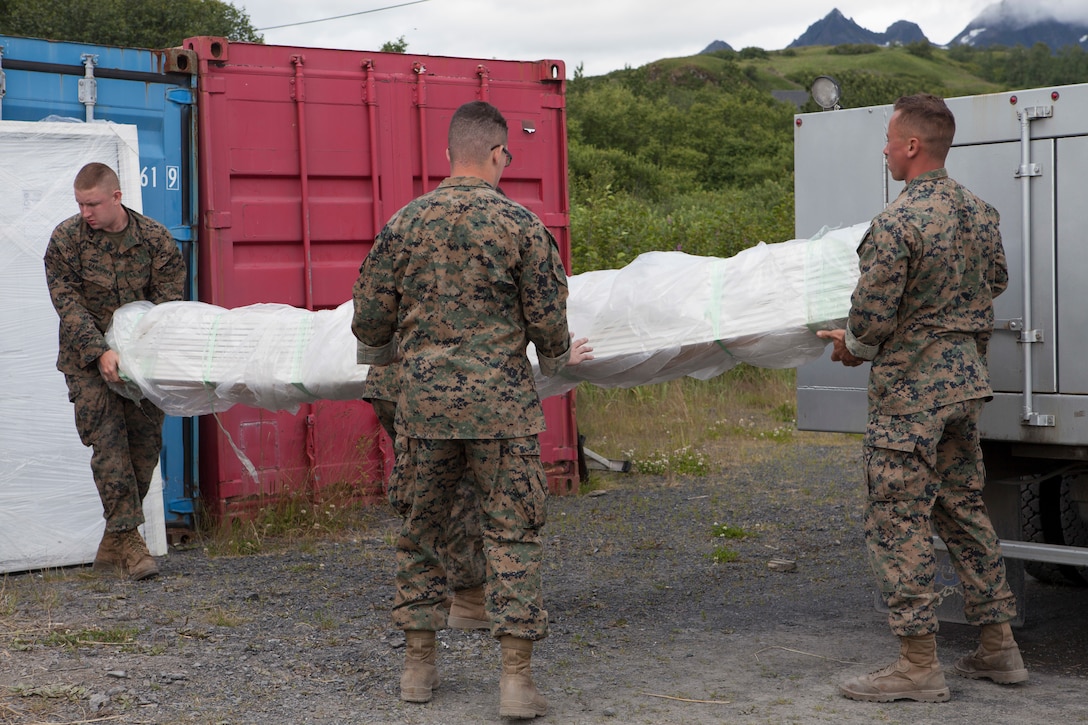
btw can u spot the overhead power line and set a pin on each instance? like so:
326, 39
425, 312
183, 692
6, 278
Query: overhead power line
339, 17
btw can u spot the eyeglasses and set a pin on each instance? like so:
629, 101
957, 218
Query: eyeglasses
506, 151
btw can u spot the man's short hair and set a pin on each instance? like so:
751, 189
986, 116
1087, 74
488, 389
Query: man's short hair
475, 129
930, 119
95, 175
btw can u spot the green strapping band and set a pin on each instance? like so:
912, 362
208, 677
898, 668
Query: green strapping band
716, 293
209, 350
302, 338
209, 355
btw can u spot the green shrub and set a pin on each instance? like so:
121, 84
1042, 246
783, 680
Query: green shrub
753, 53
611, 229
854, 49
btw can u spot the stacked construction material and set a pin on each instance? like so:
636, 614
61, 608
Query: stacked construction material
664, 316
50, 513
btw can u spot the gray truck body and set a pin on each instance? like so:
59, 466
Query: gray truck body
1025, 152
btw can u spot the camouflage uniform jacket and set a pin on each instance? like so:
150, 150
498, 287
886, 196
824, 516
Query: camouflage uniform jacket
922, 311
91, 273
466, 278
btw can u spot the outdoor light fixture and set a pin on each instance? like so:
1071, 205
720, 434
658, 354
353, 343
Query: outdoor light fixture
826, 92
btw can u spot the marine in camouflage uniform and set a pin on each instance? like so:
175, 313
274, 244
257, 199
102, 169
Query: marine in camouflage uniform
922, 312
461, 551
464, 278
92, 271
931, 264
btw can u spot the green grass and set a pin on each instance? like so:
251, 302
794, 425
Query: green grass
296, 517
726, 531
688, 427
75, 639
779, 69
724, 555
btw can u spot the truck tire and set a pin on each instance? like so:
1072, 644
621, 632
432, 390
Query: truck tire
1074, 530
1040, 523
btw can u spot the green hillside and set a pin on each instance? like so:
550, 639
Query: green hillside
869, 68
696, 153
926, 67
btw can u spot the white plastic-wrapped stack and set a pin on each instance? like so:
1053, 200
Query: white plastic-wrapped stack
669, 314
50, 514
664, 316
192, 358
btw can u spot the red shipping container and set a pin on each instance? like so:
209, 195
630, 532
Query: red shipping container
303, 155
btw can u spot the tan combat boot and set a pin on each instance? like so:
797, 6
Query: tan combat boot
109, 557
518, 697
467, 611
997, 657
420, 676
136, 559
916, 675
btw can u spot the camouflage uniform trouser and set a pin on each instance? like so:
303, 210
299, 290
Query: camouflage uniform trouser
125, 439
462, 548
512, 489
925, 474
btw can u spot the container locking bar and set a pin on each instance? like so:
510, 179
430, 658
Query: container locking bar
1028, 336
88, 84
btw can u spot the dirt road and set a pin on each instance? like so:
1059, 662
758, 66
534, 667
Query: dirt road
646, 626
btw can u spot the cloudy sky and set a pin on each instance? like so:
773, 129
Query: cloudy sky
602, 35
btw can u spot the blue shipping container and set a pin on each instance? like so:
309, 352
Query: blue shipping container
154, 91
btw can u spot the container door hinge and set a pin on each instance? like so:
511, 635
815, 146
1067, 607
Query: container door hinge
3, 83
553, 100
182, 233
88, 84
181, 96
484, 91
217, 219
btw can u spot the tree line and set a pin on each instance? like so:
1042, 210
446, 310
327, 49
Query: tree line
678, 155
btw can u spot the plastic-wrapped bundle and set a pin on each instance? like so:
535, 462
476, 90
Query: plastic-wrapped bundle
669, 314
664, 316
192, 358
50, 513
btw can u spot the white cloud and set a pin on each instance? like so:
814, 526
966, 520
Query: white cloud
1034, 11
605, 35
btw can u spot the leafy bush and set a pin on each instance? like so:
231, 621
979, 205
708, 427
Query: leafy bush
854, 49
653, 136
753, 52
609, 230
920, 49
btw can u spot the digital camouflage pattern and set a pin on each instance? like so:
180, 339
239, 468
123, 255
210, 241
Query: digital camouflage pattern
462, 548
456, 286
467, 278
922, 467
511, 484
922, 311
931, 264
90, 274
125, 439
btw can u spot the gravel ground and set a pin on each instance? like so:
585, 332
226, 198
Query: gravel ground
647, 628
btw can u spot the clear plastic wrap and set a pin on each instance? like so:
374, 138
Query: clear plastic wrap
670, 314
665, 315
50, 514
192, 358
